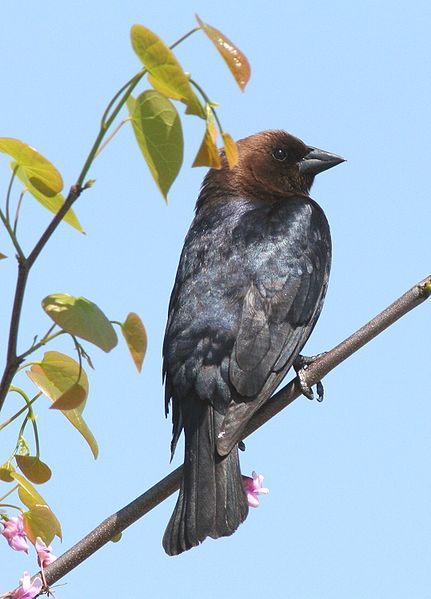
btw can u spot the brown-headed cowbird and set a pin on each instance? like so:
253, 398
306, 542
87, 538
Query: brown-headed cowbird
249, 288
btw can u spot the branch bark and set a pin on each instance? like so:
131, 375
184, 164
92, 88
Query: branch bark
129, 514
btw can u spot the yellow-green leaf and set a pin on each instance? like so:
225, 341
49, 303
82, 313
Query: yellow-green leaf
208, 154
80, 317
233, 57
27, 493
64, 370
57, 374
164, 68
76, 419
33, 468
5, 472
40, 172
40, 521
158, 131
51, 203
40, 517
136, 338
230, 150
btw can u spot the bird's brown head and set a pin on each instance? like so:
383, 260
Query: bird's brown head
272, 165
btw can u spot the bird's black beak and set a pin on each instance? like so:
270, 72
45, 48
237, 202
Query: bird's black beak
317, 161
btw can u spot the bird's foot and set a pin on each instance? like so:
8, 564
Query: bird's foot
300, 365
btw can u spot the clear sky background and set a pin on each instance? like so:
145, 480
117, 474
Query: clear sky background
349, 510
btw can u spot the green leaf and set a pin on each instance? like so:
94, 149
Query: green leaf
80, 317
164, 68
55, 376
52, 203
40, 172
33, 468
40, 521
233, 57
158, 131
136, 338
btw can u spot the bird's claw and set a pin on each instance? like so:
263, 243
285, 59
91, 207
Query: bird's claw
300, 365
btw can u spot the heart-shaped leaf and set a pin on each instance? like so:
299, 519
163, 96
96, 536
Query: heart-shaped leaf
234, 58
164, 68
51, 203
55, 376
58, 375
40, 521
136, 338
33, 468
39, 171
158, 131
80, 317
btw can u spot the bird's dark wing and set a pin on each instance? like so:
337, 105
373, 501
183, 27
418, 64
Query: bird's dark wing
247, 295
279, 312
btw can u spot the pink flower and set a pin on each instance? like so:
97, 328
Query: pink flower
29, 588
13, 532
44, 555
253, 488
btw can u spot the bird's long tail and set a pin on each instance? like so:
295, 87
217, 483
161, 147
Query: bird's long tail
212, 501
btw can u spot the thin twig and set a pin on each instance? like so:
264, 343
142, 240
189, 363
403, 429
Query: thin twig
126, 516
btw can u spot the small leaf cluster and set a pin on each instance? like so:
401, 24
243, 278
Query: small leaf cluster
155, 120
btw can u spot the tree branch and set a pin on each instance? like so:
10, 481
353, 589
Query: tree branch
13, 361
126, 516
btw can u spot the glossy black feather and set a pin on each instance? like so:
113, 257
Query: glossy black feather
249, 288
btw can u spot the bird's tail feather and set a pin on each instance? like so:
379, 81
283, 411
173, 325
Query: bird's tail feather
212, 501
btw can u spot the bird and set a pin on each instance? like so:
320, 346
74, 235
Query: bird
249, 289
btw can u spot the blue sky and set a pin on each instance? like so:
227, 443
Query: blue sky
348, 514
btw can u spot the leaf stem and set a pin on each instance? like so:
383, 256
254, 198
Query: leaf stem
18, 208
9, 190
22, 410
209, 103
117, 95
111, 137
12, 235
46, 339
184, 37
14, 507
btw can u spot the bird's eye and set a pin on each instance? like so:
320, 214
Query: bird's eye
279, 154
